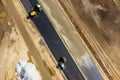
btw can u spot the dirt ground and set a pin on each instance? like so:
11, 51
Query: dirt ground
14, 46
97, 21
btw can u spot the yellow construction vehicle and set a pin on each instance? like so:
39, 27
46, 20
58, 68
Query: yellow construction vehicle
33, 13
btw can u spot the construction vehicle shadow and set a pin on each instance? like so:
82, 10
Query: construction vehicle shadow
28, 17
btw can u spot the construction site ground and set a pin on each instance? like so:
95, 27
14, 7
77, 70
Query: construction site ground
98, 23
20, 40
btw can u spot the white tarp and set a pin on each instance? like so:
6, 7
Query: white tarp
26, 71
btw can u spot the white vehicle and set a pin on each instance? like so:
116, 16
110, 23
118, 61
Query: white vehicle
38, 6
61, 65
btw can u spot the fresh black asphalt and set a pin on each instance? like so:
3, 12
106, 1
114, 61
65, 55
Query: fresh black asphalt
54, 43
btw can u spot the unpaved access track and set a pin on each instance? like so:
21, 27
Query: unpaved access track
98, 23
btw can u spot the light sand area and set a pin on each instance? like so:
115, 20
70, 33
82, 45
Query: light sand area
12, 49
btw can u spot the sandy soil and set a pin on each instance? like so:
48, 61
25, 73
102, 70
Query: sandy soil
12, 48
98, 22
